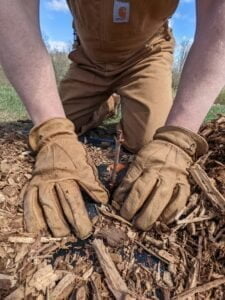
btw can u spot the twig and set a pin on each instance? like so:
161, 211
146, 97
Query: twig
152, 253
200, 289
207, 186
7, 213
194, 220
154, 242
219, 234
200, 246
95, 290
188, 217
119, 139
194, 275
193, 200
30, 240
116, 217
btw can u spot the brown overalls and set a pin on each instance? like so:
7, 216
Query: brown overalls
126, 48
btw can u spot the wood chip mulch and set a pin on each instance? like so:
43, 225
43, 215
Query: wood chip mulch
185, 260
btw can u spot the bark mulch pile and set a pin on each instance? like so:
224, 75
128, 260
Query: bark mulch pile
183, 261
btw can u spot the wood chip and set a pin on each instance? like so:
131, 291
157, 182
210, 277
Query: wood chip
207, 185
18, 294
190, 251
116, 217
64, 287
88, 273
43, 278
30, 240
195, 220
199, 289
7, 281
81, 293
115, 237
114, 281
95, 279
162, 255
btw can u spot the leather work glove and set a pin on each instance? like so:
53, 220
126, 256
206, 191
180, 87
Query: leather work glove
156, 183
53, 198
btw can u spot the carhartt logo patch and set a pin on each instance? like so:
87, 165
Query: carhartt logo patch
121, 11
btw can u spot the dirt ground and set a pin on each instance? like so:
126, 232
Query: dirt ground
183, 261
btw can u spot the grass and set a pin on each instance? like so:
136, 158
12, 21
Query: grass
215, 111
12, 109
221, 98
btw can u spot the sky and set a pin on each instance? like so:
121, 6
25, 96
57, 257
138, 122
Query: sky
57, 31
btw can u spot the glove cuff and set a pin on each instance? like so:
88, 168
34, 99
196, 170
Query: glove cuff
193, 144
50, 128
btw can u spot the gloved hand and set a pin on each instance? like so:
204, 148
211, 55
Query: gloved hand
156, 184
53, 199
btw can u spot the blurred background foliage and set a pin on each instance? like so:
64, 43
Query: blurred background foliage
11, 108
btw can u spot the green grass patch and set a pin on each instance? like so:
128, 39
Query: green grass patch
221, 98
11, 107
215, 111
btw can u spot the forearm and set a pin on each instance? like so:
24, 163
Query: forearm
203, 75
26, 61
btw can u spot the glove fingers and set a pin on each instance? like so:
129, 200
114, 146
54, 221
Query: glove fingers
138, 195
52, 210
127, 183
74, 208
154, 206
90, 183
33, 214
177, 203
